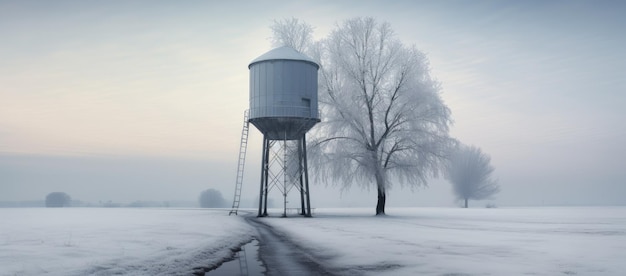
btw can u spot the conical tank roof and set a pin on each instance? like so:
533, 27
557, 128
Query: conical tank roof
283, 53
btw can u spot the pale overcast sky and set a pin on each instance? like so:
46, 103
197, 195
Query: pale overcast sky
143, 100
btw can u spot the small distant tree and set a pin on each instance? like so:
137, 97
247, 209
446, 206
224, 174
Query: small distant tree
212, 198
58, 199
469, 171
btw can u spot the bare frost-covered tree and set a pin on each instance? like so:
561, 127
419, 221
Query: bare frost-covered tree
293, 33
469, 171
383, 120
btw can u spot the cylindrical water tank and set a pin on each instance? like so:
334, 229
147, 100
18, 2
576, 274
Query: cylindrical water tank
283, 93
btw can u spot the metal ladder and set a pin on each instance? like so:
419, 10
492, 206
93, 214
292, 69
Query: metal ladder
240, 166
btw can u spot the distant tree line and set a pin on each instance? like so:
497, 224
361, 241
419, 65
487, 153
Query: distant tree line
210, 198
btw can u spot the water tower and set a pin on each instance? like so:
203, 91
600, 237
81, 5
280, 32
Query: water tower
283, 106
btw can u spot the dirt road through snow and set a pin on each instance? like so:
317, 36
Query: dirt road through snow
281, 256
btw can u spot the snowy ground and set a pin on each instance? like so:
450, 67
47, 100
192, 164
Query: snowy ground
100, 241
441, 241
418, 241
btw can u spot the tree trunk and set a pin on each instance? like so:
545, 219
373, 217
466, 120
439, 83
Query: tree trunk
465, 202
381, 185
380, 206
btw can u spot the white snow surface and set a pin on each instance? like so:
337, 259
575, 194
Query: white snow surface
408, 241
101, 241
454, 241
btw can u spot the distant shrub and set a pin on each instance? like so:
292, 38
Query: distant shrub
212, 198
491, 205
58, 199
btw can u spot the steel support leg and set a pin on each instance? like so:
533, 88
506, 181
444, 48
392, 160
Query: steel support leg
266, 175
263, 170
300, 171
306, 177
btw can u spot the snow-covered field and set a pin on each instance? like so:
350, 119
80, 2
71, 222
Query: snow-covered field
442, 241
100, 241
409, 241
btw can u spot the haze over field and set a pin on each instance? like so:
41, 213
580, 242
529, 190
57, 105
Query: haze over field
144, 100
